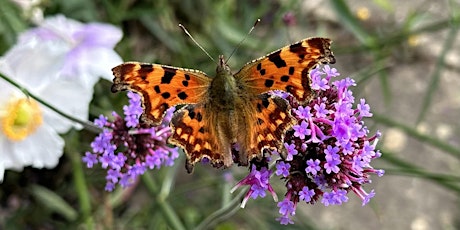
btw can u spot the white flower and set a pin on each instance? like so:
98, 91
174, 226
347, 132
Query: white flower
59, 61
27, 138
66, 54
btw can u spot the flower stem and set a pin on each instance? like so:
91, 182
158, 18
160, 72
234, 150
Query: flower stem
223, 213
79, 178
404, 168
427, 139
86, 124
168, 212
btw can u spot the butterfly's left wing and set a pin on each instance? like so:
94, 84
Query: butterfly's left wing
160, 86
287, 69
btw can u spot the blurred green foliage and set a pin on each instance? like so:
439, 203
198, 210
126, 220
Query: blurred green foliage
168, 198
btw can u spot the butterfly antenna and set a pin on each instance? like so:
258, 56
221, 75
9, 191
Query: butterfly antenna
196, 43
241, 42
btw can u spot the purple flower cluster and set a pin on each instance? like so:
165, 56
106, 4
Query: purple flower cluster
258, 180
127, 148
328, 151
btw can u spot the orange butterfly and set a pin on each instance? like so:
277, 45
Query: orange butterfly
229, 108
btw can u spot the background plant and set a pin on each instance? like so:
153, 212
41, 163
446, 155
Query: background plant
404, 57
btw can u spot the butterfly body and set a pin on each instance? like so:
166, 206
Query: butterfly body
222, 110
229, 111
223, 88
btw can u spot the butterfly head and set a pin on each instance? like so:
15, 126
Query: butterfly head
222, 67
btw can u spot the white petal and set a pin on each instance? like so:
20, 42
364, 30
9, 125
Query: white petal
99, 34
7, 90
64, 94
94, 63
40, 149
70, 98
35, 64
59, 24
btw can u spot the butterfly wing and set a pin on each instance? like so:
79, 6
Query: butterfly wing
272, 119
193, 130
287, 69
161, 87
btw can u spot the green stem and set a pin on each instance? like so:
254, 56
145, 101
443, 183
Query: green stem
228, 209
223, 213
435, 77
448, 181
396, 39
349, 21
168, 181
168, 212
86, 124
79, 178
452, 150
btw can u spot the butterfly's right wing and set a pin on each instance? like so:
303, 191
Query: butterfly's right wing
287, 69
160, 87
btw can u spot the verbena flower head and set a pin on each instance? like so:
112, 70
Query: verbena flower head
328, 151
127, 148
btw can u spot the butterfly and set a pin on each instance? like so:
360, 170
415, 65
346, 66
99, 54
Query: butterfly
229, 118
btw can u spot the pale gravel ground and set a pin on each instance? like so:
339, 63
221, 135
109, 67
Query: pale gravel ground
403, 202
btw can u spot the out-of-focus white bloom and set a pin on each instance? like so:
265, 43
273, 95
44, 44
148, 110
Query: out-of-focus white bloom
27, 138
31, 9
61, 54
59, 61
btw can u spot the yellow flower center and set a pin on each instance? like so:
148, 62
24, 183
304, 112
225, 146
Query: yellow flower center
23, 117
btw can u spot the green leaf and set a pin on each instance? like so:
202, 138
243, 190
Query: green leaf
54, 202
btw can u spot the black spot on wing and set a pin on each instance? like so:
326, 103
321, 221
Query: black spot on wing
291, 70
199, 117
182, 95
299, 50
157, 89
265, 102
284, 78
144, 71
276, 59
269, 83
191, 113
147, 68
296, 47
166, 95
168, 75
